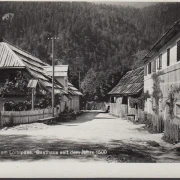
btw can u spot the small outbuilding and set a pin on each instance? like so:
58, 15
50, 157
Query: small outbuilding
61, 75
128, 90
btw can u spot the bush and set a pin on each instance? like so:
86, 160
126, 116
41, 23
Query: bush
20, 106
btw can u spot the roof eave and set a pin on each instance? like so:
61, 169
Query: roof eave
15, 67
169, 34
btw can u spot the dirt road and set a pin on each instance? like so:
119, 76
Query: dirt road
93, 137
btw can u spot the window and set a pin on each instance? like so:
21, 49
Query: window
112, 99
149, 68
157, 63
145, 70
154, 66
3, 79
12, 76
168, 56
125, 100
65, 83
178, 50
160, 61
178, 109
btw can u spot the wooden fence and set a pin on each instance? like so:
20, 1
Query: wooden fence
102, 106
141, 114
96, 106
122, 111
171, 131
24, 117
8, 118
171, 128
119, 110
156, 122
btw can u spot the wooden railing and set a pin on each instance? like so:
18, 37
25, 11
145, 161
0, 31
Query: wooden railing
23, 117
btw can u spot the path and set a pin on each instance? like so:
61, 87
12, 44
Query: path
93, 137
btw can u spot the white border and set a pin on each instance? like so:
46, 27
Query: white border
84, 170
46, 169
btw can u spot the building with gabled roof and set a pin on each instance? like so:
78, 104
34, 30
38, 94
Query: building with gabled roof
73, 90
163, 61
130, 86
61, 75
13, 60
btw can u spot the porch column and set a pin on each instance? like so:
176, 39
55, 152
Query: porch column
32, 105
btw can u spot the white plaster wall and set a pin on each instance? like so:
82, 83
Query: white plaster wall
61, 80
170, 74
172, 44
119, 100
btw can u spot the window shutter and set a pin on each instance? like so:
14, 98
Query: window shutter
168, 56
178, 50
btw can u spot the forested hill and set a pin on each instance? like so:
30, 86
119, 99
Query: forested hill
101, 41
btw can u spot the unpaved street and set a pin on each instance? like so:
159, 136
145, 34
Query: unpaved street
93, 137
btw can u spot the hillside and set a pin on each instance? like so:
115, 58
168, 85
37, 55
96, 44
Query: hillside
101, 41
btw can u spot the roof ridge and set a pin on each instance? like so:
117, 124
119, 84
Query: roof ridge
137, 68
165, 32
5, 41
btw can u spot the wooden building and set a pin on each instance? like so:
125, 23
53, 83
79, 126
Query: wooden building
162, 75
16, 64
61, 75
130, 86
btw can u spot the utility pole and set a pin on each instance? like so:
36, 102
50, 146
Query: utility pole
79, 80
53, 77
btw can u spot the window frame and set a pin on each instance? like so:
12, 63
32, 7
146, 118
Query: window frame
65, 83
149, 67
160, 61
154, 65
168, 56
178, 54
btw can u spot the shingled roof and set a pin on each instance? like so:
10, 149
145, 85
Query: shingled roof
73, 90
131, 83
61, 71
167, 36
14, 57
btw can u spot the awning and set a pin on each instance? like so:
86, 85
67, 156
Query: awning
32, 83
